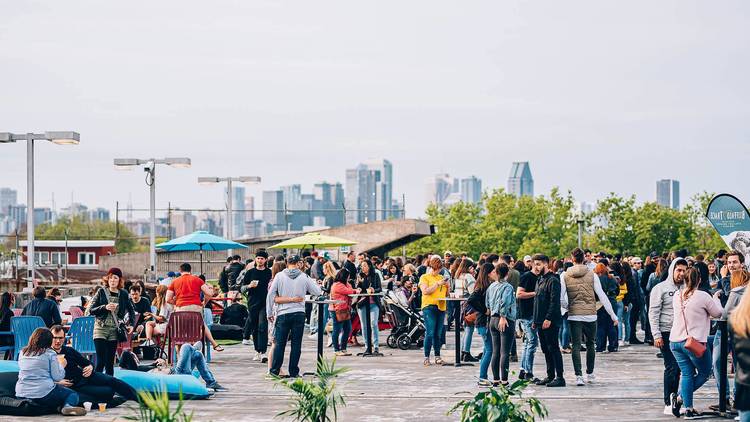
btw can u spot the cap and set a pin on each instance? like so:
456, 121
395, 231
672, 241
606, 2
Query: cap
327, 256
448, 253
527, 258
293, 259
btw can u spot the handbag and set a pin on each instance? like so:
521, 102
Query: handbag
343, 315
470, 315
691, 344
122, 332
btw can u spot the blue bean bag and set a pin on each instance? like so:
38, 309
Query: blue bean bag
192, 387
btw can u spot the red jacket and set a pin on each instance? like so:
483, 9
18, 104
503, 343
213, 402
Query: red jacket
340, 291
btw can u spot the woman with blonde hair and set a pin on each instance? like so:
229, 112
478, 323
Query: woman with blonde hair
158, 325
739, 326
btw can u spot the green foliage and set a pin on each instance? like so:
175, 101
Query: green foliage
548, 224
155, 407
315, 401
501, 405
79, 228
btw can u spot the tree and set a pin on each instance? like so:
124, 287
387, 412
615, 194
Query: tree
79, 228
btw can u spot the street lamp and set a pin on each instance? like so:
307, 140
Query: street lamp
229, 180
149, 166
56, 137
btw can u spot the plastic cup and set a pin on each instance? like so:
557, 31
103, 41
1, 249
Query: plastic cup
102, 407
60, 359
87, 405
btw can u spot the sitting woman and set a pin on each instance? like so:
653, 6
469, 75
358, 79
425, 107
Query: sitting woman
39, 370
6, 313
157, 323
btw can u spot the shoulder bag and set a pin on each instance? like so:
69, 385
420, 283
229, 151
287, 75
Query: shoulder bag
691, 344
122, 332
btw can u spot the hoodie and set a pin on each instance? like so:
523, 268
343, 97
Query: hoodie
735, 296
290, 283
661, 309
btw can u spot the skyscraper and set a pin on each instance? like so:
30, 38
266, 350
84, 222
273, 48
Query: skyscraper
329, 197
8, 197
439, 187
520, 182
238, 211
471, 190
369, 190
273, 209
668, 193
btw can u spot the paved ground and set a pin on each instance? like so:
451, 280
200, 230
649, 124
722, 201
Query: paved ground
397, 387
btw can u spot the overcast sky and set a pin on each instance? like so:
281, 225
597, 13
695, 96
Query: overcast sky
598, 95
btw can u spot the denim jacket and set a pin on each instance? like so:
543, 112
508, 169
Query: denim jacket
501, 300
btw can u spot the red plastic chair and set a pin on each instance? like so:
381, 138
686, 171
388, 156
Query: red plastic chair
75, 312
184, 328
17, 312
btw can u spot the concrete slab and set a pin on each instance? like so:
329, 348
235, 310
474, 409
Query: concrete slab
397, 387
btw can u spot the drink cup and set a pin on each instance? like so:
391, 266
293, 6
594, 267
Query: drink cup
102, 407
60, 359
254, 283
87, 405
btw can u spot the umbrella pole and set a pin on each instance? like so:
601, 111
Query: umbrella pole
201, 253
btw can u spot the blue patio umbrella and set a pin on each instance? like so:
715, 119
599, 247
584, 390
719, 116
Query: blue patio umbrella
199, 241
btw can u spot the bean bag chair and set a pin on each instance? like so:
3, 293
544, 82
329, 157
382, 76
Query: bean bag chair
226, 332
11, 406
234, 314
192, 387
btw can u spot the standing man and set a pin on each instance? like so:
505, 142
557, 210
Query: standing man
660, 315
548, 320
638, 300
255, 285
288, 292
580, 289
525, 295
233, 271
351, 268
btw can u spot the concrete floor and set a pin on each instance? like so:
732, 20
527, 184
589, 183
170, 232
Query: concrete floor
397, 387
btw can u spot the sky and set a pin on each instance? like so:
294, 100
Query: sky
599, 96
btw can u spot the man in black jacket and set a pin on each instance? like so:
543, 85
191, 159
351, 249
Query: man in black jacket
95, 387
548, 320
255, 285
42, 307
350, 267
228, 278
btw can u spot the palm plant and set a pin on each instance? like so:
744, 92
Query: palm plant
155, 407
315, 401
498, 405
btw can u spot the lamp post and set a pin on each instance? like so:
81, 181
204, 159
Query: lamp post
229, 180
579, 220
56, 137
149, 166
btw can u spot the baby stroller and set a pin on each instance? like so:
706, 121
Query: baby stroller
408, 326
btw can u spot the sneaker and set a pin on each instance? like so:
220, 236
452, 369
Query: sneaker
73, 411
591, 378
557, 382
263, 358
567, 351
676, 404
256, 357
544, 381
694, 414
579, 380
345, 353
247, 342
313, 336
668, 410
217, 387
484, 383
522, 375
339, 353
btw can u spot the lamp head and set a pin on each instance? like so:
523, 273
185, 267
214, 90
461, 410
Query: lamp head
63, 137
208, 180
126, 163
179, 162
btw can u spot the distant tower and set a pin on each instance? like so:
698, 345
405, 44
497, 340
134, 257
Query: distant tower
520, 182
668, 193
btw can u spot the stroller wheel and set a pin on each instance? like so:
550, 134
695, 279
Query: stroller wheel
404, 342
392, 342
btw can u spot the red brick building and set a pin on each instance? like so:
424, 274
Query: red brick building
83, 254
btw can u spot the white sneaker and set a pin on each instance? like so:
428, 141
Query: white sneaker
330, 341
591, 378
257, 357
579, 380
247, 342
668, 410
263, 358
313, 336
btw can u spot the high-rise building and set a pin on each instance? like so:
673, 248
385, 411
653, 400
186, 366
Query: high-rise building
369, 190
249, 210
98, 214
183, 223
439, 187
668, 193
273, 209
17, 214
329, 203
75, 209
238, 211
520, 182
8, 197
471, 190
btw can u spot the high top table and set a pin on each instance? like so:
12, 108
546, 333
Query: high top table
457, 314
368, 352
321, 317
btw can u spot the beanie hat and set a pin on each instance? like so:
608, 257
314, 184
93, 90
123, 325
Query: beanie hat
116, 271
262, 253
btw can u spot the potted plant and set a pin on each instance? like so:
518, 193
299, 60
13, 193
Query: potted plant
155, 407
500, 405
315, 401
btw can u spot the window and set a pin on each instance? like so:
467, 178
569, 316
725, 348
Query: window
86, 258
41, 258
59, 258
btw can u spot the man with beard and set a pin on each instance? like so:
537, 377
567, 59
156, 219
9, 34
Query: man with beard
548, 320
660, 315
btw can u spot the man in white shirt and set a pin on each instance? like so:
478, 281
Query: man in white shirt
580, 289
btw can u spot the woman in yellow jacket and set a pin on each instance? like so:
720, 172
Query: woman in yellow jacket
434, 286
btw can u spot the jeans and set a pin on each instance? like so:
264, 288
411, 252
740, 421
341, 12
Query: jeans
484, 364
695, 371
579, 329
565, 333
191, 358
501, 341
257, 327
100, 387
635, 316
340, 334
623, 329
529, 346
606, 332
671, 369
105, 355
551, 349
433, 321
374, 315
291, 324
59, 397
468, 334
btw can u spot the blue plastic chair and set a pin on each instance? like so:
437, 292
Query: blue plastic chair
22, 327
81, 334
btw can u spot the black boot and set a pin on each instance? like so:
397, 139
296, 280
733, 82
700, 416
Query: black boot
557, 382
467, 357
